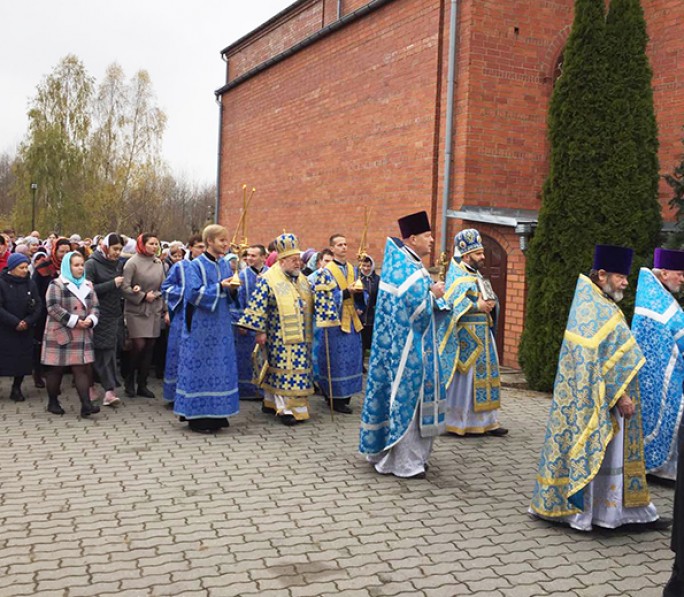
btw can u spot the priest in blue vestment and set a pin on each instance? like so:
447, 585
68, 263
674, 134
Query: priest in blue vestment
404, 406
658, 326
342, 373
245, 339
467, 349
207, 392
591, 470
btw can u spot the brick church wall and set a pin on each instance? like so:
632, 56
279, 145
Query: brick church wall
345, 123
358, 118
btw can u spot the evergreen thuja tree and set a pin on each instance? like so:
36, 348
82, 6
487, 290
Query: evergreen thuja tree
630, 209
676, 182
570, 217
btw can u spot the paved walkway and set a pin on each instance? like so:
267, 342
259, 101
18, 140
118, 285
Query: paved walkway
132, 504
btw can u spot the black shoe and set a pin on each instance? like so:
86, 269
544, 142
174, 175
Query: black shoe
267, 410
129, 389
55, 407
89, 409
38, 381
345, 409
498, 432
417, 476
662, 524
16, 395
203, 430
674, 586
288, 420
145, 392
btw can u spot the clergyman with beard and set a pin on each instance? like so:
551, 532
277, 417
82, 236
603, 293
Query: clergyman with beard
591, 470
467, 350
658, 326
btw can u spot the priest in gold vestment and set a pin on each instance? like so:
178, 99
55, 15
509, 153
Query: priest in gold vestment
591, 470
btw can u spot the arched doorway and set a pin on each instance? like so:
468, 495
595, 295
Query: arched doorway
495, 268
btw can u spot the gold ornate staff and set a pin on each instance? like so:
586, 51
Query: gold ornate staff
362, 254
238, 248
443, 265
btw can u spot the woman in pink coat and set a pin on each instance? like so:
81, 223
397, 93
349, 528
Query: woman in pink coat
73, 311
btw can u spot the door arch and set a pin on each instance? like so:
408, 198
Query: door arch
496, 268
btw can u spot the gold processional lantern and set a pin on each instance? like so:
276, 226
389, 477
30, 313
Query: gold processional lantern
362, 254
235, 246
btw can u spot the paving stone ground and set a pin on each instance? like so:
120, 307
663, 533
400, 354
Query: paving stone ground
131, 503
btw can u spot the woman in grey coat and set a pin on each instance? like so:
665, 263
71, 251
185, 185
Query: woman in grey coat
105, 271
143, 310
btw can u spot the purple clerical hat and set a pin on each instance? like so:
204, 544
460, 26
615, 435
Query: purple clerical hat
668, 259
615, 260
414, 224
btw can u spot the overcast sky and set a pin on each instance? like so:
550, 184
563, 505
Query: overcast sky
177, 42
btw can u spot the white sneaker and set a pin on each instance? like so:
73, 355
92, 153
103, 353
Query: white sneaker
110, 399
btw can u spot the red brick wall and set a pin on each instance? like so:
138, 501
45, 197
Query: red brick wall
359, 119
512, 48
346, 123
276, 39
502, 153
665, 22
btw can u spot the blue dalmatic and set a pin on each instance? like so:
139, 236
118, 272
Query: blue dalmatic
207, 370
173, 289
404, 372
245, 340
658, 326
343, 342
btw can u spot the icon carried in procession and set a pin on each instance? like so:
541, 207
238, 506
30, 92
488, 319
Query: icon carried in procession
260, 364
486, 291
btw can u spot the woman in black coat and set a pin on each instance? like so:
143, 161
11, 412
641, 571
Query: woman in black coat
20, 309
371, 283
105, 271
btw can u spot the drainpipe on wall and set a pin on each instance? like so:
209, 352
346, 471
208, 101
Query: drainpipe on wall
219, 101
449, 138
339, 9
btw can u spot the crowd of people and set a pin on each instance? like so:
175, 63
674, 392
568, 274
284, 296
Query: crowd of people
224, 323
113, 310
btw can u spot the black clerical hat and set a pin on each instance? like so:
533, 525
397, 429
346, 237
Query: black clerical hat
615, 260
668, 259
414, 224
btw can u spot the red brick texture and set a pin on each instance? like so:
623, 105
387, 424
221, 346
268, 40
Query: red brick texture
358, 118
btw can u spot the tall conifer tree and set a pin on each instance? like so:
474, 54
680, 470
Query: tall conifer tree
603, 181
631, 205
570, 216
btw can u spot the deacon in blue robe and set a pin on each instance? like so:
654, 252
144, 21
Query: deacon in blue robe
658, 326
245, 339
343, 372
207, 392
404, 406
173, 291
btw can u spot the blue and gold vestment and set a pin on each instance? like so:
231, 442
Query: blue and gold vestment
283, 307
343, 341
245, 342
598, 363
403, 372
466, 341
658, 326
